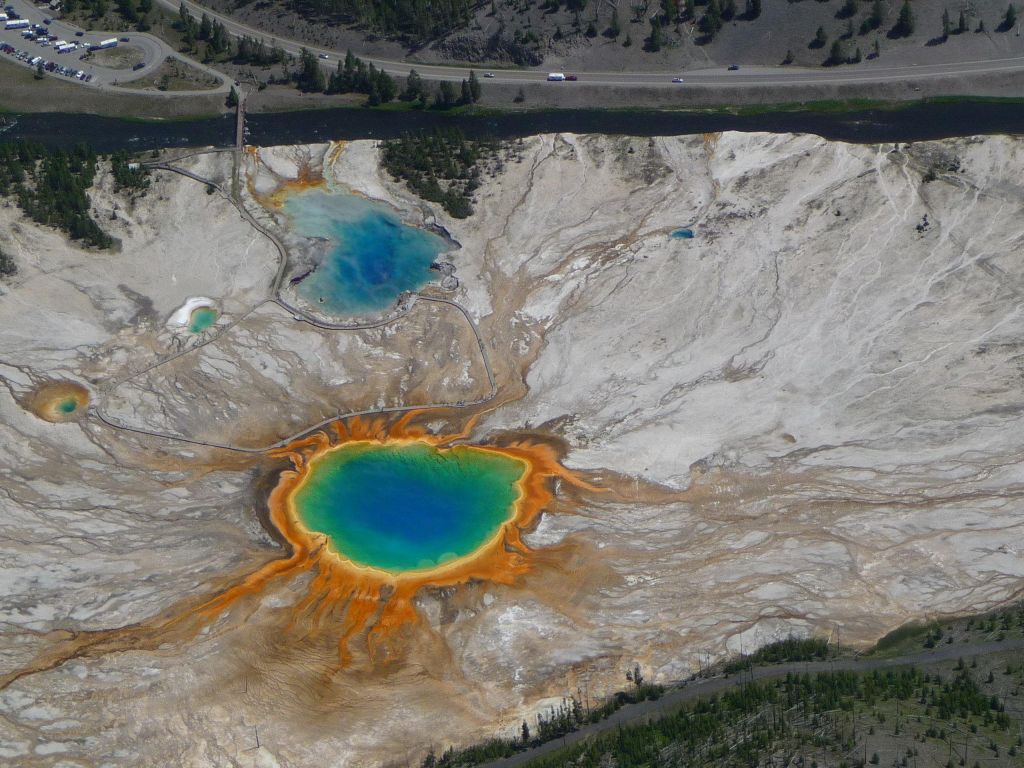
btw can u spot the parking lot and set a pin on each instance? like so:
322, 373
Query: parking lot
41, 39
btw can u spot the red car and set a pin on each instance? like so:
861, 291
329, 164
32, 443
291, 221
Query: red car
571, 77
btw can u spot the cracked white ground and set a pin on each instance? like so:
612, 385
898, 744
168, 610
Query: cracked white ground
808, 418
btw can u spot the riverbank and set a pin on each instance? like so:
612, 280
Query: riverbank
23, 93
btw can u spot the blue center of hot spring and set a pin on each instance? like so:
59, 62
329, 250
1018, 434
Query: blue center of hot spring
408, 506
373, 257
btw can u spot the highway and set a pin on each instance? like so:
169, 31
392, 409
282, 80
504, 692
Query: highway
753, 76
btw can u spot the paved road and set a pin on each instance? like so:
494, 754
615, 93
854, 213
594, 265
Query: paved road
154, 51
866, 72
677, 696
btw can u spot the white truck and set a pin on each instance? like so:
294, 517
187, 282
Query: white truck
63, 47
110, 42
556, 77
17, 24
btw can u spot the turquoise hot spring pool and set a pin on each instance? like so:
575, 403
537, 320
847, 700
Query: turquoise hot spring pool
373, 255
408, 506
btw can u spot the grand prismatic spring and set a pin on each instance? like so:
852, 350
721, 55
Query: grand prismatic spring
387, 508
407, 506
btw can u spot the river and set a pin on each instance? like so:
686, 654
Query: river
917, 122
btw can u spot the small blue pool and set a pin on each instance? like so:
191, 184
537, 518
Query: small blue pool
683, 234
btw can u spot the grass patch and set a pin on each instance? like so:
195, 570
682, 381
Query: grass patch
173, 75
907, 638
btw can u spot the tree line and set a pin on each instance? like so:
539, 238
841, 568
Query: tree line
415, 21
837, 712
211, 32
132, 11
442, 166
51, 187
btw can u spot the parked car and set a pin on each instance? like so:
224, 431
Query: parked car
573, 78
124, 39
79, 33
138, 66
323, 56
733, 67
47, 21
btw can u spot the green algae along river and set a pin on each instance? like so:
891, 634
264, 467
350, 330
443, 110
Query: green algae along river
408, 506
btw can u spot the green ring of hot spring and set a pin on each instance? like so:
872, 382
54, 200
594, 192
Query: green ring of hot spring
202, 318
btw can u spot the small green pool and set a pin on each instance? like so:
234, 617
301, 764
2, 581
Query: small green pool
409, 506
201, 319
67, 405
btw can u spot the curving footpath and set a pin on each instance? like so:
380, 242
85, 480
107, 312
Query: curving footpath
96, 407
688, 691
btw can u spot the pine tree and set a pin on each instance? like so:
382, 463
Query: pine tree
311, 77
655, 41
711, 21
728, 10
876, 16
947, 25
413, 85
820, 38
961, 26
445, 96
905, 23
1010, 19
614, 27
474, 87
835, 56
753, 9
386, 86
